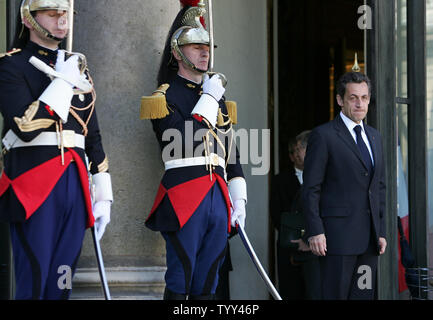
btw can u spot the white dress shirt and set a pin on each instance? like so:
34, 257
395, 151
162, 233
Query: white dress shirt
298, 174
350, 126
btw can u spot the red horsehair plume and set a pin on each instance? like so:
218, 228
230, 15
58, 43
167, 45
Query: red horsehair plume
193, 3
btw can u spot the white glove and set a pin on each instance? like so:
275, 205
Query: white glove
208, 104
69, 68
58, 95
238, 213
213, 87
101, 213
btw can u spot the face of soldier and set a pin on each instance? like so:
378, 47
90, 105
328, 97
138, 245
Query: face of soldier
354, 104
198, 54
55, 22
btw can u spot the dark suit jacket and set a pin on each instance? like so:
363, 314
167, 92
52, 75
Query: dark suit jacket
340, 198
284, 188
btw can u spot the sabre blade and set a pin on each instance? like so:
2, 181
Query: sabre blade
211, 38
101, 267
257, 263
70, 39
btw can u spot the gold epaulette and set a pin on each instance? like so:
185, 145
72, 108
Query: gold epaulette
155, 106
233, 111
8, 54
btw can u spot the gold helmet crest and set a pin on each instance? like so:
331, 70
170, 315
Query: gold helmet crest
191, 32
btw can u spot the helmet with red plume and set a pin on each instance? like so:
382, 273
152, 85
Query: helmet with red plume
187, 28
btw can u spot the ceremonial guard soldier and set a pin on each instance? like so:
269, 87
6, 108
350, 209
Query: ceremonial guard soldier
203, 192
50, 125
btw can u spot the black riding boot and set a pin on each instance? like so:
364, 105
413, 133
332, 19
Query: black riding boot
202, 297
170, 295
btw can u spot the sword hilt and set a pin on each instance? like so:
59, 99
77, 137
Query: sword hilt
222, 77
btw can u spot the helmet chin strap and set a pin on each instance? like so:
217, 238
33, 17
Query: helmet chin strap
53, 37
188, 63
42, 31
194, 68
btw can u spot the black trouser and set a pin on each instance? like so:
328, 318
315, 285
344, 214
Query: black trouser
298, 280
350, 277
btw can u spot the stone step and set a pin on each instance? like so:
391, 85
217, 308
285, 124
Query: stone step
125, 283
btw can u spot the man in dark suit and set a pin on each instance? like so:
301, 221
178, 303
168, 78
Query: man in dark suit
298, 270
344, 195
285, 186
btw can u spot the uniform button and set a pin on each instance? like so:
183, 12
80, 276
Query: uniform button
366, 174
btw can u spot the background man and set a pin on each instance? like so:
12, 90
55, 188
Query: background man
48, 130
344, 194
298, 269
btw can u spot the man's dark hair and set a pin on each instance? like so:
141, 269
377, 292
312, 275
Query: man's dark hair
303, 138
352, 77
292, 145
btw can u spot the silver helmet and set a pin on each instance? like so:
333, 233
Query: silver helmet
191, 32
29, 6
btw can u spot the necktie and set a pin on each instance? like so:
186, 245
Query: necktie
363, 149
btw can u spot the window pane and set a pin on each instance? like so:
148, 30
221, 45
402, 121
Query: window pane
402, 143
401, 49
429, 49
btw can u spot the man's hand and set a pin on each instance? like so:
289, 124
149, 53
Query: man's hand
213, 86
68, 67
318, 244
302, 246
382, 245
101, 213
239, 213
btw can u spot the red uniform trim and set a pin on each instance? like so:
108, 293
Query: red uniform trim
225, 191
197, 117
50, 111
84, 178
4, 183
33, 187
159, 196
402, 285
187, 197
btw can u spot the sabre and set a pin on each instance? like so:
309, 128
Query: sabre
101, 267
97, 245
256, 262
212, 46
70, 39
211, 38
